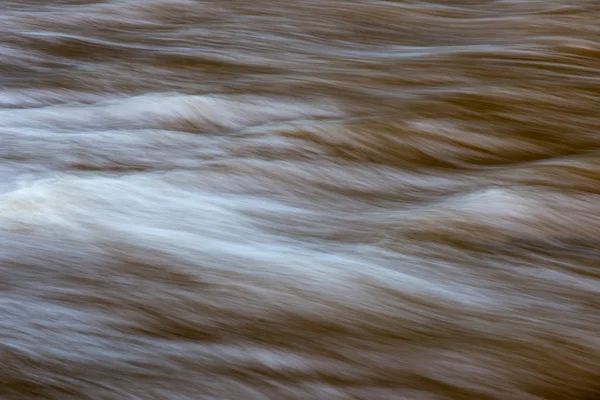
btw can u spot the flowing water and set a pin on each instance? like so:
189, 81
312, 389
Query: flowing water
308, 199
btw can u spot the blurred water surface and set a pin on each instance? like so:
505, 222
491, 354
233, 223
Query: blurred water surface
304, 199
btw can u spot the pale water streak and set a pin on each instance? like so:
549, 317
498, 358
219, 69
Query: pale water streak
251, 200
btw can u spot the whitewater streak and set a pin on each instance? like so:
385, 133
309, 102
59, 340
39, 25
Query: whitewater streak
326, 200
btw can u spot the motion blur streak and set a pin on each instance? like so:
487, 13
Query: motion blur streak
310, 199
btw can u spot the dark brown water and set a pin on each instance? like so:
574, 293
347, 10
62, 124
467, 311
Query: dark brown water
332, 200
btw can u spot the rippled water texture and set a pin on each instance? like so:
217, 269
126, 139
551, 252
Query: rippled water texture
295, 200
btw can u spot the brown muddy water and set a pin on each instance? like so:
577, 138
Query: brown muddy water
311, 199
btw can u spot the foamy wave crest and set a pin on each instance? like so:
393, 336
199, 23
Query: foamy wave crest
205, 114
